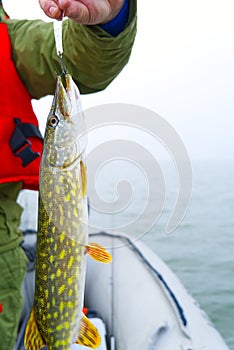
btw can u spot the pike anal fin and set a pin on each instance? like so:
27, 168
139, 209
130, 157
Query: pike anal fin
99, 253
88, 334
33, 339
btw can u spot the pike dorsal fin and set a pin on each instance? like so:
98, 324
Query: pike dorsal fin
88, 334
33, 339
83, 172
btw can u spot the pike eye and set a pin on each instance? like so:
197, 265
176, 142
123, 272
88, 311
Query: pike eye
53, 121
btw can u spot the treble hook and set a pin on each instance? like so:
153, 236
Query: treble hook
62, 67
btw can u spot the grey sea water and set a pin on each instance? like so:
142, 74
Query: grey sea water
200, 251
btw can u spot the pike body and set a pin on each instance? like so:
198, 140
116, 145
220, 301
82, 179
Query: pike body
56, 319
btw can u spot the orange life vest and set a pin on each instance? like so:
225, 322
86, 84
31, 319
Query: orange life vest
20, 139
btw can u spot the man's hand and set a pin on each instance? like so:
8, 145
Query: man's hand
83, 11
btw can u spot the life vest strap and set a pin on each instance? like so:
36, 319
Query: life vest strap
19, 143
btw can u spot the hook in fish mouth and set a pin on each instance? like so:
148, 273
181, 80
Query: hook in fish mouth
64, 70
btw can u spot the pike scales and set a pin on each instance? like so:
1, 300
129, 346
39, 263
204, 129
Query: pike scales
56, 319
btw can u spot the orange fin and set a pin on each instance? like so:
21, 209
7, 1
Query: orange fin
88, 334
99, 253
83, 172
33, 339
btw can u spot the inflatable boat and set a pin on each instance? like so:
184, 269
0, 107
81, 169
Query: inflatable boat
136, 302
142, 302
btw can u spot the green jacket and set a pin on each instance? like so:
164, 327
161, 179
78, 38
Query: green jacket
92, 56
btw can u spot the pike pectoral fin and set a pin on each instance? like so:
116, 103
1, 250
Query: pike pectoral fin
88, 334
33, 339
99, 253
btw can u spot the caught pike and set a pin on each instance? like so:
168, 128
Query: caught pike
56, 320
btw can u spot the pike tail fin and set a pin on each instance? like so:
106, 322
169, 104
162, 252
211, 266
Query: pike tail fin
88, 334
33, 339
99, 253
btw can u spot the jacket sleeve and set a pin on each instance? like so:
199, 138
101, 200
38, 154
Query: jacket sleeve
92, 56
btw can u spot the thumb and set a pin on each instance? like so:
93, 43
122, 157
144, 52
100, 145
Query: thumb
50, 8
